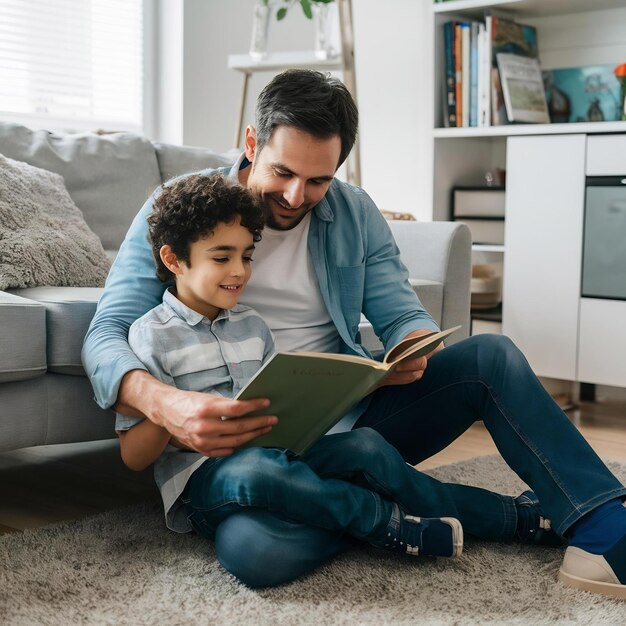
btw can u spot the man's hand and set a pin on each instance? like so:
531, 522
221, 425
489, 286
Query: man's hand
194, 419
410, 370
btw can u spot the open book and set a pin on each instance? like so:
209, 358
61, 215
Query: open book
311, 391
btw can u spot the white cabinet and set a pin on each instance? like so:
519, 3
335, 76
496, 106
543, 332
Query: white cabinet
542, 265
569, 32
602, 351
606, 155
545, 165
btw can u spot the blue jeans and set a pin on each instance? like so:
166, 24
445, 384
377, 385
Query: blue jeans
346, 482
481, 378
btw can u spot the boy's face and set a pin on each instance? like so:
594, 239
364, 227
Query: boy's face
291, 174
219, 268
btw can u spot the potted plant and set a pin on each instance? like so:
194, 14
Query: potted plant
318, 9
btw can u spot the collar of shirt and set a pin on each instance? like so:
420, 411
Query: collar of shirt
193, 317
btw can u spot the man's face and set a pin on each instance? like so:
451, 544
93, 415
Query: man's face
291, 174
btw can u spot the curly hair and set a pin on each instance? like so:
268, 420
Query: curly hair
192, 207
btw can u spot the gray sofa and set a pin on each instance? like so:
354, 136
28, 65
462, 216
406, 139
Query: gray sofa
45, 397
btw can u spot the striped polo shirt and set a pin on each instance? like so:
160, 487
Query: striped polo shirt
185, 349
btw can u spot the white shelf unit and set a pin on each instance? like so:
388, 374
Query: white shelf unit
570, 33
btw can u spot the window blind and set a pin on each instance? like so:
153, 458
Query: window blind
73, 63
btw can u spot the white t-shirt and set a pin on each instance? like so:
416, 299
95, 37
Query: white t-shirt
285, 292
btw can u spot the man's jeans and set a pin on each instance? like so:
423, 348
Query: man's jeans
346, 482
481, 378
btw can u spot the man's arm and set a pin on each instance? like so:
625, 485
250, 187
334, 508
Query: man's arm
194, 418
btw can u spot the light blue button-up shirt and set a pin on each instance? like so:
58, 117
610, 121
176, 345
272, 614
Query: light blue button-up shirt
185, 349
356, 261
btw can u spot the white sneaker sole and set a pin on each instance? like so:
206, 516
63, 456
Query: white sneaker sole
584, 584
457, 535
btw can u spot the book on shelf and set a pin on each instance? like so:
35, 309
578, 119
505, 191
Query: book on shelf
473, 94
582, 94
465, 73
485, 230
449, 114
510, 37
458, 75
310, 391
478, 202
473, 71
462, 49
522, 86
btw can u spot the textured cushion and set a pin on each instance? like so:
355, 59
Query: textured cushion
176, 160
45, 240
68, 314
109, 177
22, 338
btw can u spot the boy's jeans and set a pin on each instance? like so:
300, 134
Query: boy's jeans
481, 378
345, 482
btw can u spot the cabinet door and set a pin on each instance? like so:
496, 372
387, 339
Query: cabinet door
543, 243
602, 342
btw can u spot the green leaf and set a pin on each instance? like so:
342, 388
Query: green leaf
281, 13
306, 7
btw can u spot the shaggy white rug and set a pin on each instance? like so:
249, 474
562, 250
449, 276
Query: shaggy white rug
124, 567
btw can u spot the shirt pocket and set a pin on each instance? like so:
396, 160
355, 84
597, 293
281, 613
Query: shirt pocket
351, 286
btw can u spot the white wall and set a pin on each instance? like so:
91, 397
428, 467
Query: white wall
392, 86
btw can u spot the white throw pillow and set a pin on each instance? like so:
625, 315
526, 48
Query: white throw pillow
44, 239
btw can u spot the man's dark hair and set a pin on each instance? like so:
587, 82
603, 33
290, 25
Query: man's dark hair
192, 207
313, 102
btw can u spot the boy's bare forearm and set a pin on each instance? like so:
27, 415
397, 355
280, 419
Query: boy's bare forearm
143, 444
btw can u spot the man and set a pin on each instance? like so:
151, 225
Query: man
327, 256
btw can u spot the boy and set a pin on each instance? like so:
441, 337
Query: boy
202, 231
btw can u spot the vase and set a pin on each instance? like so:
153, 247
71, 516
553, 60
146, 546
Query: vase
325, 19
260, 29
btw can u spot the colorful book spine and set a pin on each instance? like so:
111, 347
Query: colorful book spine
484, 97
450, 89
465, 73
473, 87
458, 70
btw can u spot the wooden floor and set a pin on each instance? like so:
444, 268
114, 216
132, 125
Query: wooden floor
47, 484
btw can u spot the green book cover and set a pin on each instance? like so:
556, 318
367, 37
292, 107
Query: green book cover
310, 391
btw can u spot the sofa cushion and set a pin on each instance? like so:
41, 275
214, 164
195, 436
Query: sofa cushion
109, 177
68, 314
24, 413
177, 160
22, 338
45, 240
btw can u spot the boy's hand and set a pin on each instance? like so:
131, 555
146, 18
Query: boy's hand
194, 419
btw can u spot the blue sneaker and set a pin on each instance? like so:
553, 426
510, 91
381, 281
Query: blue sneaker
533, 526
421, 536
597, 573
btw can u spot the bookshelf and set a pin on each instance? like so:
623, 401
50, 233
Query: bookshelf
570, 33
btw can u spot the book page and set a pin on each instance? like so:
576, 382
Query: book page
415, 347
